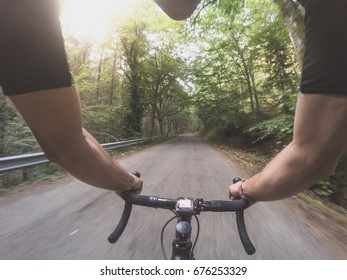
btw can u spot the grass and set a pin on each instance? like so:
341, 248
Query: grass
329, 210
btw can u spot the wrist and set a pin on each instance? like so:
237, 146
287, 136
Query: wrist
243, 193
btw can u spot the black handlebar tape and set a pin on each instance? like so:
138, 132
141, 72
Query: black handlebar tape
246, 242
124, 218
149, 201
241, 227
121, 224
236, 179
225, 205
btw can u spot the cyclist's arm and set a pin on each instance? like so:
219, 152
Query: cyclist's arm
320, 138
178, 9
55, 118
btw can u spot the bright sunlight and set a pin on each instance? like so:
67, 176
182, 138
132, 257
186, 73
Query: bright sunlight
91, 19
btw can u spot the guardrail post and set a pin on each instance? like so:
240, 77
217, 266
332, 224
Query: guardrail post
28, 174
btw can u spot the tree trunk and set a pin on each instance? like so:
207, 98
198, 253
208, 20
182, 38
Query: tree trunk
293, 15
98, 79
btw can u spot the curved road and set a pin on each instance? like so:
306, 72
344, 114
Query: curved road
67, 219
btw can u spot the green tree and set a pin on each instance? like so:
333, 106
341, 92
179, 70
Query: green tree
133, 42
166, 95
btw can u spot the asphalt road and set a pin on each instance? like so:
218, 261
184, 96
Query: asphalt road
67, 219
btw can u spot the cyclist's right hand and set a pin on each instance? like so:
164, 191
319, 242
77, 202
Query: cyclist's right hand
236, 192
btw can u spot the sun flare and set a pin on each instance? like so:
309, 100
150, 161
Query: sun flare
91, 19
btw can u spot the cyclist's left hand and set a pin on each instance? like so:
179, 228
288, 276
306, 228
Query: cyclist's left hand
137, 184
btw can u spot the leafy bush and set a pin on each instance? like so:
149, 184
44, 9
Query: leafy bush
324, 188
279, 128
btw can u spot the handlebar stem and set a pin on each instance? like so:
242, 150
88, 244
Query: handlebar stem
182, 245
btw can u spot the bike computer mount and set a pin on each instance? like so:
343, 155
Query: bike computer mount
185, 206
188, 206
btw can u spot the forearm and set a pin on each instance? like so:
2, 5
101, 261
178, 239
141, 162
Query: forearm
178, 9
55, 118
320, 138
88, 161
289, 173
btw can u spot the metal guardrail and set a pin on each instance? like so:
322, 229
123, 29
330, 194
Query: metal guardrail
30, 160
